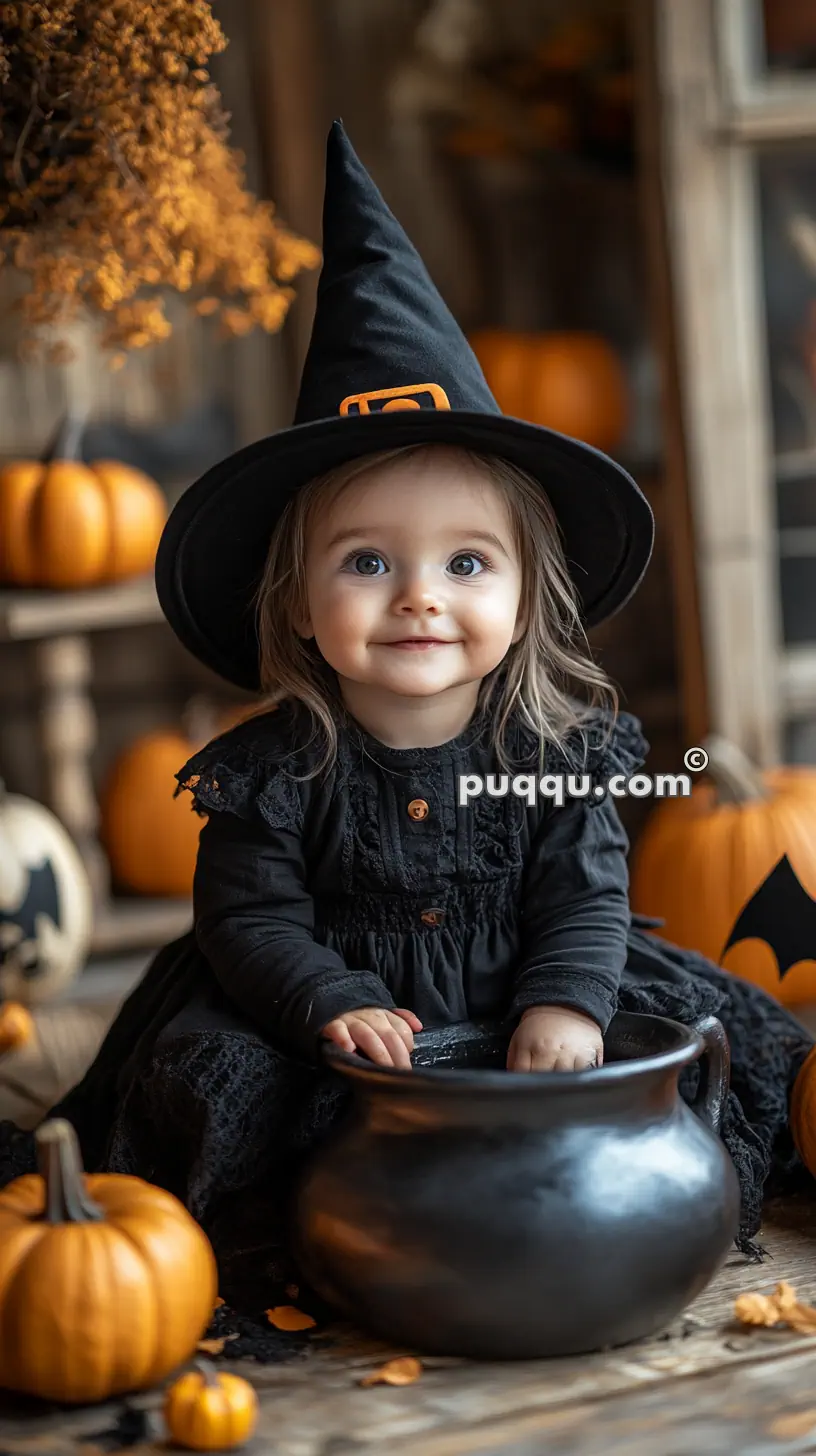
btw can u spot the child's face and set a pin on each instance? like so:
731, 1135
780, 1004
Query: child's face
418, 549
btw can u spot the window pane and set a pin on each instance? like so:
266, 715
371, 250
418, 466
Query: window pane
798, 590
787, 201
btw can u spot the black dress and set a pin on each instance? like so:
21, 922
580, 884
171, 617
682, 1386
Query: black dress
317, 896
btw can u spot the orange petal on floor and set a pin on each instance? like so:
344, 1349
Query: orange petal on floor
403, 1371
286, 1317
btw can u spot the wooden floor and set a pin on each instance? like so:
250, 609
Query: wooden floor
706, 1387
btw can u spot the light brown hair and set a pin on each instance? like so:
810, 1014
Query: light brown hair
537, 677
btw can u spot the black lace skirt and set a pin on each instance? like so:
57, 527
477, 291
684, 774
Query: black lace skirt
185, 1094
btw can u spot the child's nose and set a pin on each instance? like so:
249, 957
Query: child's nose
416, 595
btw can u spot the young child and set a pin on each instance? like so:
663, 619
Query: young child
406, 576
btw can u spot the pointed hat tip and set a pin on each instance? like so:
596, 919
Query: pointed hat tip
337, 141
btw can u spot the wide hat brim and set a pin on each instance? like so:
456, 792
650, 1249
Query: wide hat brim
213, 551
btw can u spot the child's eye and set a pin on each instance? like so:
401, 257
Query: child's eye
365, 563
467, 563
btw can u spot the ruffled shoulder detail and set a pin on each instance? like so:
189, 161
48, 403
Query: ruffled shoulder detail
251, 769
601, 747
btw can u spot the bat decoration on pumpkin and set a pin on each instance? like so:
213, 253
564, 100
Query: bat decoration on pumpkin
18, 924
783, 914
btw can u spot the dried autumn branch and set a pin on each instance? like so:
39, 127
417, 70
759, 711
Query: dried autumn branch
117, 182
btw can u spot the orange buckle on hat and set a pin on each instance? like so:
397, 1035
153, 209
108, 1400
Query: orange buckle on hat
396, 399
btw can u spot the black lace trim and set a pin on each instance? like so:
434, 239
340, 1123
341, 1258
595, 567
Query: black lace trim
234, 779
601, 748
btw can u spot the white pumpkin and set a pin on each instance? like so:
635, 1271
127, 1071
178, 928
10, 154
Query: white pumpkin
46, 904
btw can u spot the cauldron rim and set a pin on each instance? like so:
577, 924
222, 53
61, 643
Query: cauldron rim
690, 1044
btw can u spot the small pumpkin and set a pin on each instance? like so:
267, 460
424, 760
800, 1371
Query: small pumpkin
106, 1282
205, 1411
65, 524
16, 1026
803, 1112
571, 382
46, 903
150, 837
698, 861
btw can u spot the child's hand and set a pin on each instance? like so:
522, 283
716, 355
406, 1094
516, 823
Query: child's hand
554, 1039
385, 1036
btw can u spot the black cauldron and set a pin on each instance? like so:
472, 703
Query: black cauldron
465, 1210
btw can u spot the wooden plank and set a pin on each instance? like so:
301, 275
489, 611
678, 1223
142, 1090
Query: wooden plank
711, 226
27, 614
765, 1409
679, 534
696, 1380
286, 72
772, 120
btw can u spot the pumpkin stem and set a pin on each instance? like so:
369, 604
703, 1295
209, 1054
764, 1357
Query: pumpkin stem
66, 443
66, 1197
207, 1372
738, 781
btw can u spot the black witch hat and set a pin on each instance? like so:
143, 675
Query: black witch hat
387, 366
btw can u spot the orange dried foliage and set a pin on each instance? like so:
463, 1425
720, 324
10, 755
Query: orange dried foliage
117, 182
216, 1346
403, 1371
781, 1307
286, 1317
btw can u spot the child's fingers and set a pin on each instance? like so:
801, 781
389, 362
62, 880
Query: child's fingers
367, 1040
409, 1017
518, 1059
400, 1053
385, 1047
401, 1029
338, 1032
589, 1057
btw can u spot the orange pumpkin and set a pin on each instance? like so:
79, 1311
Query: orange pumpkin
803, 1112
16, 1026
150, 837
106, 1282
700, 859
65, 524
570, 382
205, 1411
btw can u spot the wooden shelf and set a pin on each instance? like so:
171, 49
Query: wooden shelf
28, 613
58, 625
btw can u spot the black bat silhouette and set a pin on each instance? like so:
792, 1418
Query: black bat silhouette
41, 898
783, 914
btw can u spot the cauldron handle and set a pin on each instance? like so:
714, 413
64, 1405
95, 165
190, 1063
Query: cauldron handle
715, 1072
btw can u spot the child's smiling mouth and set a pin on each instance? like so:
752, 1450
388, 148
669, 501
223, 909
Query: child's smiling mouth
418, 644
